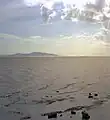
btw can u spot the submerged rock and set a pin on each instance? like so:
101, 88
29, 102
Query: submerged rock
90, 95
52, 115
7, 105
25, 118
85, 115
73, 112
57, 91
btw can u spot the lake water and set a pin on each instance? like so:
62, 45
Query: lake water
30, 87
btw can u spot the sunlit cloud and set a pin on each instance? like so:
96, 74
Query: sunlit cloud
31, 2
49, 3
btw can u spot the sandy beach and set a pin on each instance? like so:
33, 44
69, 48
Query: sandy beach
32, 88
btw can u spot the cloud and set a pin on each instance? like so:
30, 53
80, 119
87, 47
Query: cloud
10, 9
49, 3
16, 17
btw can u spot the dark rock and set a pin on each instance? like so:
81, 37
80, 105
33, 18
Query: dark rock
75, 108
90, 95
7, 105
57, 91
60, 99
70, 116
25, 118
52, 115
56, 112
50, 102
85, 115
73, 112
61, 115
96, 94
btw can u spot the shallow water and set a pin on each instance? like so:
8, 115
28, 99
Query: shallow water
33, 86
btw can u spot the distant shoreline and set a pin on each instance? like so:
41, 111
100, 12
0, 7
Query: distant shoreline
74, 56
48, 55
33, 54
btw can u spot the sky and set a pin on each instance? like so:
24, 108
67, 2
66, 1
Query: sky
34, 2
21, 29
12, 8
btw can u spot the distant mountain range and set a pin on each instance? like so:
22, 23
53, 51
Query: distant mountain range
33, 54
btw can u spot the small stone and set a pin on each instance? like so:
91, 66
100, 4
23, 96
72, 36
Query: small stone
70, 116
61, 115
96, 94
57, 91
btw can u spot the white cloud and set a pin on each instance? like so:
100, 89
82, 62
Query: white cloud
49, 3
31, 2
